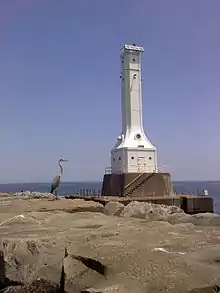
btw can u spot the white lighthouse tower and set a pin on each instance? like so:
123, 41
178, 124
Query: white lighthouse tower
133, 152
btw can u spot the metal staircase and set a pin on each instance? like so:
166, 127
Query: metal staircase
136, 183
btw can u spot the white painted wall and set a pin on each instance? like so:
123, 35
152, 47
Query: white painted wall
131, 91
133, 152
133, 161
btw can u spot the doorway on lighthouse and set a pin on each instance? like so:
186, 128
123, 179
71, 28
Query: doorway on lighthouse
141, 162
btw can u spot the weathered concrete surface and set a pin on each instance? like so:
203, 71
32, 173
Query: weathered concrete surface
138, 185
191, 204
141, 255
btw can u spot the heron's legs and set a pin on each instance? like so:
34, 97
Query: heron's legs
56, 193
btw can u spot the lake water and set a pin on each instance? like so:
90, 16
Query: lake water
189, 187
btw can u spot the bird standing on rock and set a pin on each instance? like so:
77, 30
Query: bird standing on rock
56, 181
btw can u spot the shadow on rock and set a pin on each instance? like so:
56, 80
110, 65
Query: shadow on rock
209, 289
5, 282
41, 285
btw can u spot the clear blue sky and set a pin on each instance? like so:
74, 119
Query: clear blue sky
60, 85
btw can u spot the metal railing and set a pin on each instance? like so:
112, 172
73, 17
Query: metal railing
88, 191
141, 169
134, 180
138, 181
108, 170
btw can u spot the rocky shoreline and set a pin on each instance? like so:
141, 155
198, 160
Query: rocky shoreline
138, 248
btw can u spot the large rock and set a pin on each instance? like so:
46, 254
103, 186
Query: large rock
203, 219
13, 206
139, 255
113, 208
34, 194
149, 211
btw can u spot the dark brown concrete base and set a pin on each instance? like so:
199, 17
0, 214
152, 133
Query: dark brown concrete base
190, 204
147, 184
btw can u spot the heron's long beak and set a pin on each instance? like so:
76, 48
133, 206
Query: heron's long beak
62, 160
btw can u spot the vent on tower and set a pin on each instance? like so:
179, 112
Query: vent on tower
138, 136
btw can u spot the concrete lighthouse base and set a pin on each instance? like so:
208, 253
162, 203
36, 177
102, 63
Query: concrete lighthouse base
150, 187
137, 185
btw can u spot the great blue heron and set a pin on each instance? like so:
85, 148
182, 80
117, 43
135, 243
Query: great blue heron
56, 181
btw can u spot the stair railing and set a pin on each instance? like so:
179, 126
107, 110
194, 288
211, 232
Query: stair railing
134, 180
144, 180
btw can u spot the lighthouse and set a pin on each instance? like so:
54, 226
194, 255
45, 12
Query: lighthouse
134, 171
133, 152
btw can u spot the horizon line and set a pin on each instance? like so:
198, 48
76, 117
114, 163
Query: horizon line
92, 181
